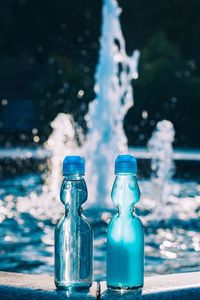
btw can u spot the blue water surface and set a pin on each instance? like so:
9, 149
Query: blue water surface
28, 217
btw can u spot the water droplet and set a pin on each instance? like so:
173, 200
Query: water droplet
34, 131
80, 94
36, 138
4, 102
144, 114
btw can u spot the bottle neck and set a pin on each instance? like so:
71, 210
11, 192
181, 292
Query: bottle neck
74, 177
125, 193
126, 175
73, 193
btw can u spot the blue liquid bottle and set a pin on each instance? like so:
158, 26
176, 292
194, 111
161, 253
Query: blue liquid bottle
73, 233
125, 237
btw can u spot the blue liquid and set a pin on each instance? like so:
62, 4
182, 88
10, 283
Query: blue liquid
73, 239
125, 238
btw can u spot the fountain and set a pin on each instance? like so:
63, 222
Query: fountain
29, 209
114, 96
162, 165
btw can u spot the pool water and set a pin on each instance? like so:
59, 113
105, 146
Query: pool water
28, 216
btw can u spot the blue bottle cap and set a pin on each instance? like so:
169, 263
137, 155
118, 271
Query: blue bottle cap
73, 165
125, 164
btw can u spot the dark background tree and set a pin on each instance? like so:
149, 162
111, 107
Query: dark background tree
49, 50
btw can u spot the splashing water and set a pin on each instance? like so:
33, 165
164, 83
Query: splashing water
114, 96
162, 165
61, 142
106, 137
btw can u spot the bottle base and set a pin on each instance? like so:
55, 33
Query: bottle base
125, 288
73, 287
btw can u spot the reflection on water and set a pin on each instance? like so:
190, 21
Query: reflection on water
28, 216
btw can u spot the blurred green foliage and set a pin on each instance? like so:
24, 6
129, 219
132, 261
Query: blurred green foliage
49, 50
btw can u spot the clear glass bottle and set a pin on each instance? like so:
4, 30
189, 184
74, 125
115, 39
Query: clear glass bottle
125, 237
73, 233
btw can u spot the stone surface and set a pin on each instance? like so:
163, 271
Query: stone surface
166, 287
25, 286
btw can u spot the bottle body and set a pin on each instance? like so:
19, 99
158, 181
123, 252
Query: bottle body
73, 239
125, 237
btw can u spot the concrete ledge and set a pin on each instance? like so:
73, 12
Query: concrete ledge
165, 287
25, 286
